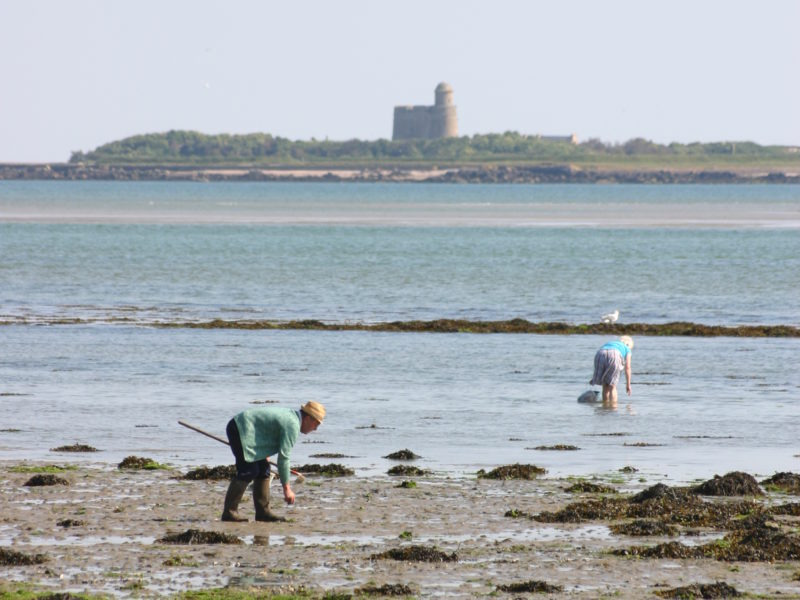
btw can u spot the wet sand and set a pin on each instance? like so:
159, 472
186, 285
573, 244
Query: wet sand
111, 521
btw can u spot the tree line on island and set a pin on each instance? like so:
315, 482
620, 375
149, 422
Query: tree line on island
194, 148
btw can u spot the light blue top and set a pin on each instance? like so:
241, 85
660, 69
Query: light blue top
618, 346
267, 431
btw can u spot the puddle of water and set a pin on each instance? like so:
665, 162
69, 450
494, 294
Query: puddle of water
538, 534
73, 540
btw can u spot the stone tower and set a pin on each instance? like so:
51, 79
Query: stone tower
427, 122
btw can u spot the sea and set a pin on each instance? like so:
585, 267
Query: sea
91, 272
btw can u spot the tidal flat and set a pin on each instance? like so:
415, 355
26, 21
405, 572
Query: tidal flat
126, 532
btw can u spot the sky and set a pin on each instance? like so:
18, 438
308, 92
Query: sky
77, 74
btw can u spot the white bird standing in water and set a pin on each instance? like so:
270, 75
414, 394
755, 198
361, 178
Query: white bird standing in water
610, 317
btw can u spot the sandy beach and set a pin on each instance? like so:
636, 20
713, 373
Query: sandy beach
104, 532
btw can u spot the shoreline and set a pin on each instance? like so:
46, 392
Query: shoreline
104, 532
460, 174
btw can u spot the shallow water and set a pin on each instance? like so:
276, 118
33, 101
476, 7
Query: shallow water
122, 256
461, 401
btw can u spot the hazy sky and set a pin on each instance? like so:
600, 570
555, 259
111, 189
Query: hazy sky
79, 73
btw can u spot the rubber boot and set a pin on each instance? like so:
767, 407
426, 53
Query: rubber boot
261, 501
232, 498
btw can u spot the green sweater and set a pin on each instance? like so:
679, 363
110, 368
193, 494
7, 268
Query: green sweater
268, 431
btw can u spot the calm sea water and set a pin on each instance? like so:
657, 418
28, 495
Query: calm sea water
123, 256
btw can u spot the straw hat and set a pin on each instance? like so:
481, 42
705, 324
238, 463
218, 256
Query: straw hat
315, 410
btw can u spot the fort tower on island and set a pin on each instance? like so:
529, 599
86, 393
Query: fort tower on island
427, 122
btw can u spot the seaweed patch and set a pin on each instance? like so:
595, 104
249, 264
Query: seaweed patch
756, 544
674, 505
11, 558
516, 471
330, 455
417, 554
74, 448
407, 471
218, 473
140, 463
587, 487
790, 509
46, 479
402, 455
71, 523
676, 328
735, 483
195, 536
720, 589
785, 482
332, 470
644, 527
532, 586
387, 589
642, 445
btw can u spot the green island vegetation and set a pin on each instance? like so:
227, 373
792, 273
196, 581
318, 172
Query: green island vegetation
194, 149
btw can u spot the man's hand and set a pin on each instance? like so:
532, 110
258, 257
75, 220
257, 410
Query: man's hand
288, 494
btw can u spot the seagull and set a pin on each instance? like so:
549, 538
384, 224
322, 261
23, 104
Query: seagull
610, 317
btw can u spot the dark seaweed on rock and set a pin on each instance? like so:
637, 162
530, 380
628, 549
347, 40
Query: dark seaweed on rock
790, 509
668, 550
416, 554
628, 469
332, 470
74, 448
642, 527
402, 455
218, 473
46, 479
533, 586
758, 544
735, 483
692, 511
720, 589
557, 447
387, 589
588, 487
577, 512
137, 462
516, 471
407, 471
12, 559
660, 490
61, 596
195, 536
787, 482
661, 502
